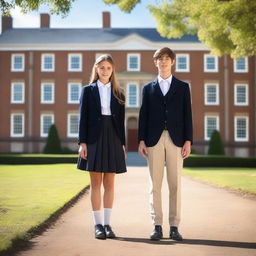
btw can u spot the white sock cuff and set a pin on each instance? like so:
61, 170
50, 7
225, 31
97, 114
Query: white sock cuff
97, 217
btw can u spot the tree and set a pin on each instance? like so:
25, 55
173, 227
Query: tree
53, 142
225, 26
215, 145
56, 6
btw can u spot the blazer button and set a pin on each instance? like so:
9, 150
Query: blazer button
99, 118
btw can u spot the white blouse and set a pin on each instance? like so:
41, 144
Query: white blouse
105, 97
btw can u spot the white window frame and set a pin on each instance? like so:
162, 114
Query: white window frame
41, 124
247, 129
70, 55
12, 125
238, 70
187, 62
246, 103
42, 62
217, 94
43, 101
128, 94
13, 101
205, 125
23, 62
216, 63
128, 61
71, 135
70, 101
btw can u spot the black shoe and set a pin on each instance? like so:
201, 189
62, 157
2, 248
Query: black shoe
109, 232
174, 234
100, 232
157, 233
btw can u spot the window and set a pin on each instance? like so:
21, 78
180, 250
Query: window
182, 63
73, 121
17, 125
74, 90
17, 93
75, 62
133, 62
210, 63
241, 128
241, 95
46, 121
18, 62
211, 124
211, 94
241, 65
47, 62
133, 99
47, 93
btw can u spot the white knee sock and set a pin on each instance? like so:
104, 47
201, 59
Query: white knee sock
107, 213
97, 217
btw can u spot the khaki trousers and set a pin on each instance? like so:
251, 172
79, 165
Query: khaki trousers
165, 152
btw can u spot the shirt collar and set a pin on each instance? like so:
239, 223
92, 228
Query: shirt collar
168, 79
100, 84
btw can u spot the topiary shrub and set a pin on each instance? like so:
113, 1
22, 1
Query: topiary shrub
53, 145
215, 146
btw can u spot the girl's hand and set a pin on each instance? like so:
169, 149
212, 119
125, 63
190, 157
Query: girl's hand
83, 150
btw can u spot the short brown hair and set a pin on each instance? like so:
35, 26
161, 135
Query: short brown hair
165, 50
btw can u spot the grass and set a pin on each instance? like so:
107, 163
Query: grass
240, 179
30, 194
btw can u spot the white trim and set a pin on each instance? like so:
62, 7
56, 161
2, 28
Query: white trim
128, 61
69, 92
216, 63
22, 101
70, 55
72, 135
246, 103
247, 129
12, 125
23, 62
217, 94
42, 62
246, 66
43, 101
187, 62
128, 94
41, 124
205, 125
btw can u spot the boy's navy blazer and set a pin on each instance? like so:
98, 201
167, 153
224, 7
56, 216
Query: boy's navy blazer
90, 115
174, 107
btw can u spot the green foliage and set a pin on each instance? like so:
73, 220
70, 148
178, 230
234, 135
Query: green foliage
53, 142
226, 27
215, 145
56, 6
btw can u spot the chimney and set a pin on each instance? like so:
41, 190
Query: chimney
106, 19
44, 20
6, 23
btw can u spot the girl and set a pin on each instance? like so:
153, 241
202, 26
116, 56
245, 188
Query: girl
102, 138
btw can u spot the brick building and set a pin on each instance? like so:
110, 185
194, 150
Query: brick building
43, 69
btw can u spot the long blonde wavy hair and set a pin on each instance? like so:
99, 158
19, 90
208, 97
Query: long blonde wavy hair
117, 90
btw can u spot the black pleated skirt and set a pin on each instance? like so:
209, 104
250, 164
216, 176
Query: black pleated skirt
106, 154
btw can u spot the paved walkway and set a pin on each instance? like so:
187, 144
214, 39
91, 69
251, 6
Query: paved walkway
214, 222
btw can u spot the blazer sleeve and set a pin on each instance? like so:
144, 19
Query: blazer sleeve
143, 117
188, 116
83, 120
122, 124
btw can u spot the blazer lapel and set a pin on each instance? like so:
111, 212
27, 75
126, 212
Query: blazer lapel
173, 88
157, 88
112, 102
96, 94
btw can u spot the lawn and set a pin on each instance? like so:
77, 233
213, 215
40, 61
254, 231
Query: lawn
29, 194
240, 179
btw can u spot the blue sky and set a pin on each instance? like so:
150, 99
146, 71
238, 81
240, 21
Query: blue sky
86, 13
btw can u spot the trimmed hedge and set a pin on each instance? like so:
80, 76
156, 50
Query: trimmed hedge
192, 161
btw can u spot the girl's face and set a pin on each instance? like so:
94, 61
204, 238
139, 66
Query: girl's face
104, 70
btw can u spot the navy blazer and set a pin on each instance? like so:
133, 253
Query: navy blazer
90, 122
174, 107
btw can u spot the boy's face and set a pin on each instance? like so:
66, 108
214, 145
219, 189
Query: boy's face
164, 63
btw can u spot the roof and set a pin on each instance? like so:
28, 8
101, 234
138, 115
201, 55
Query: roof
84, 35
